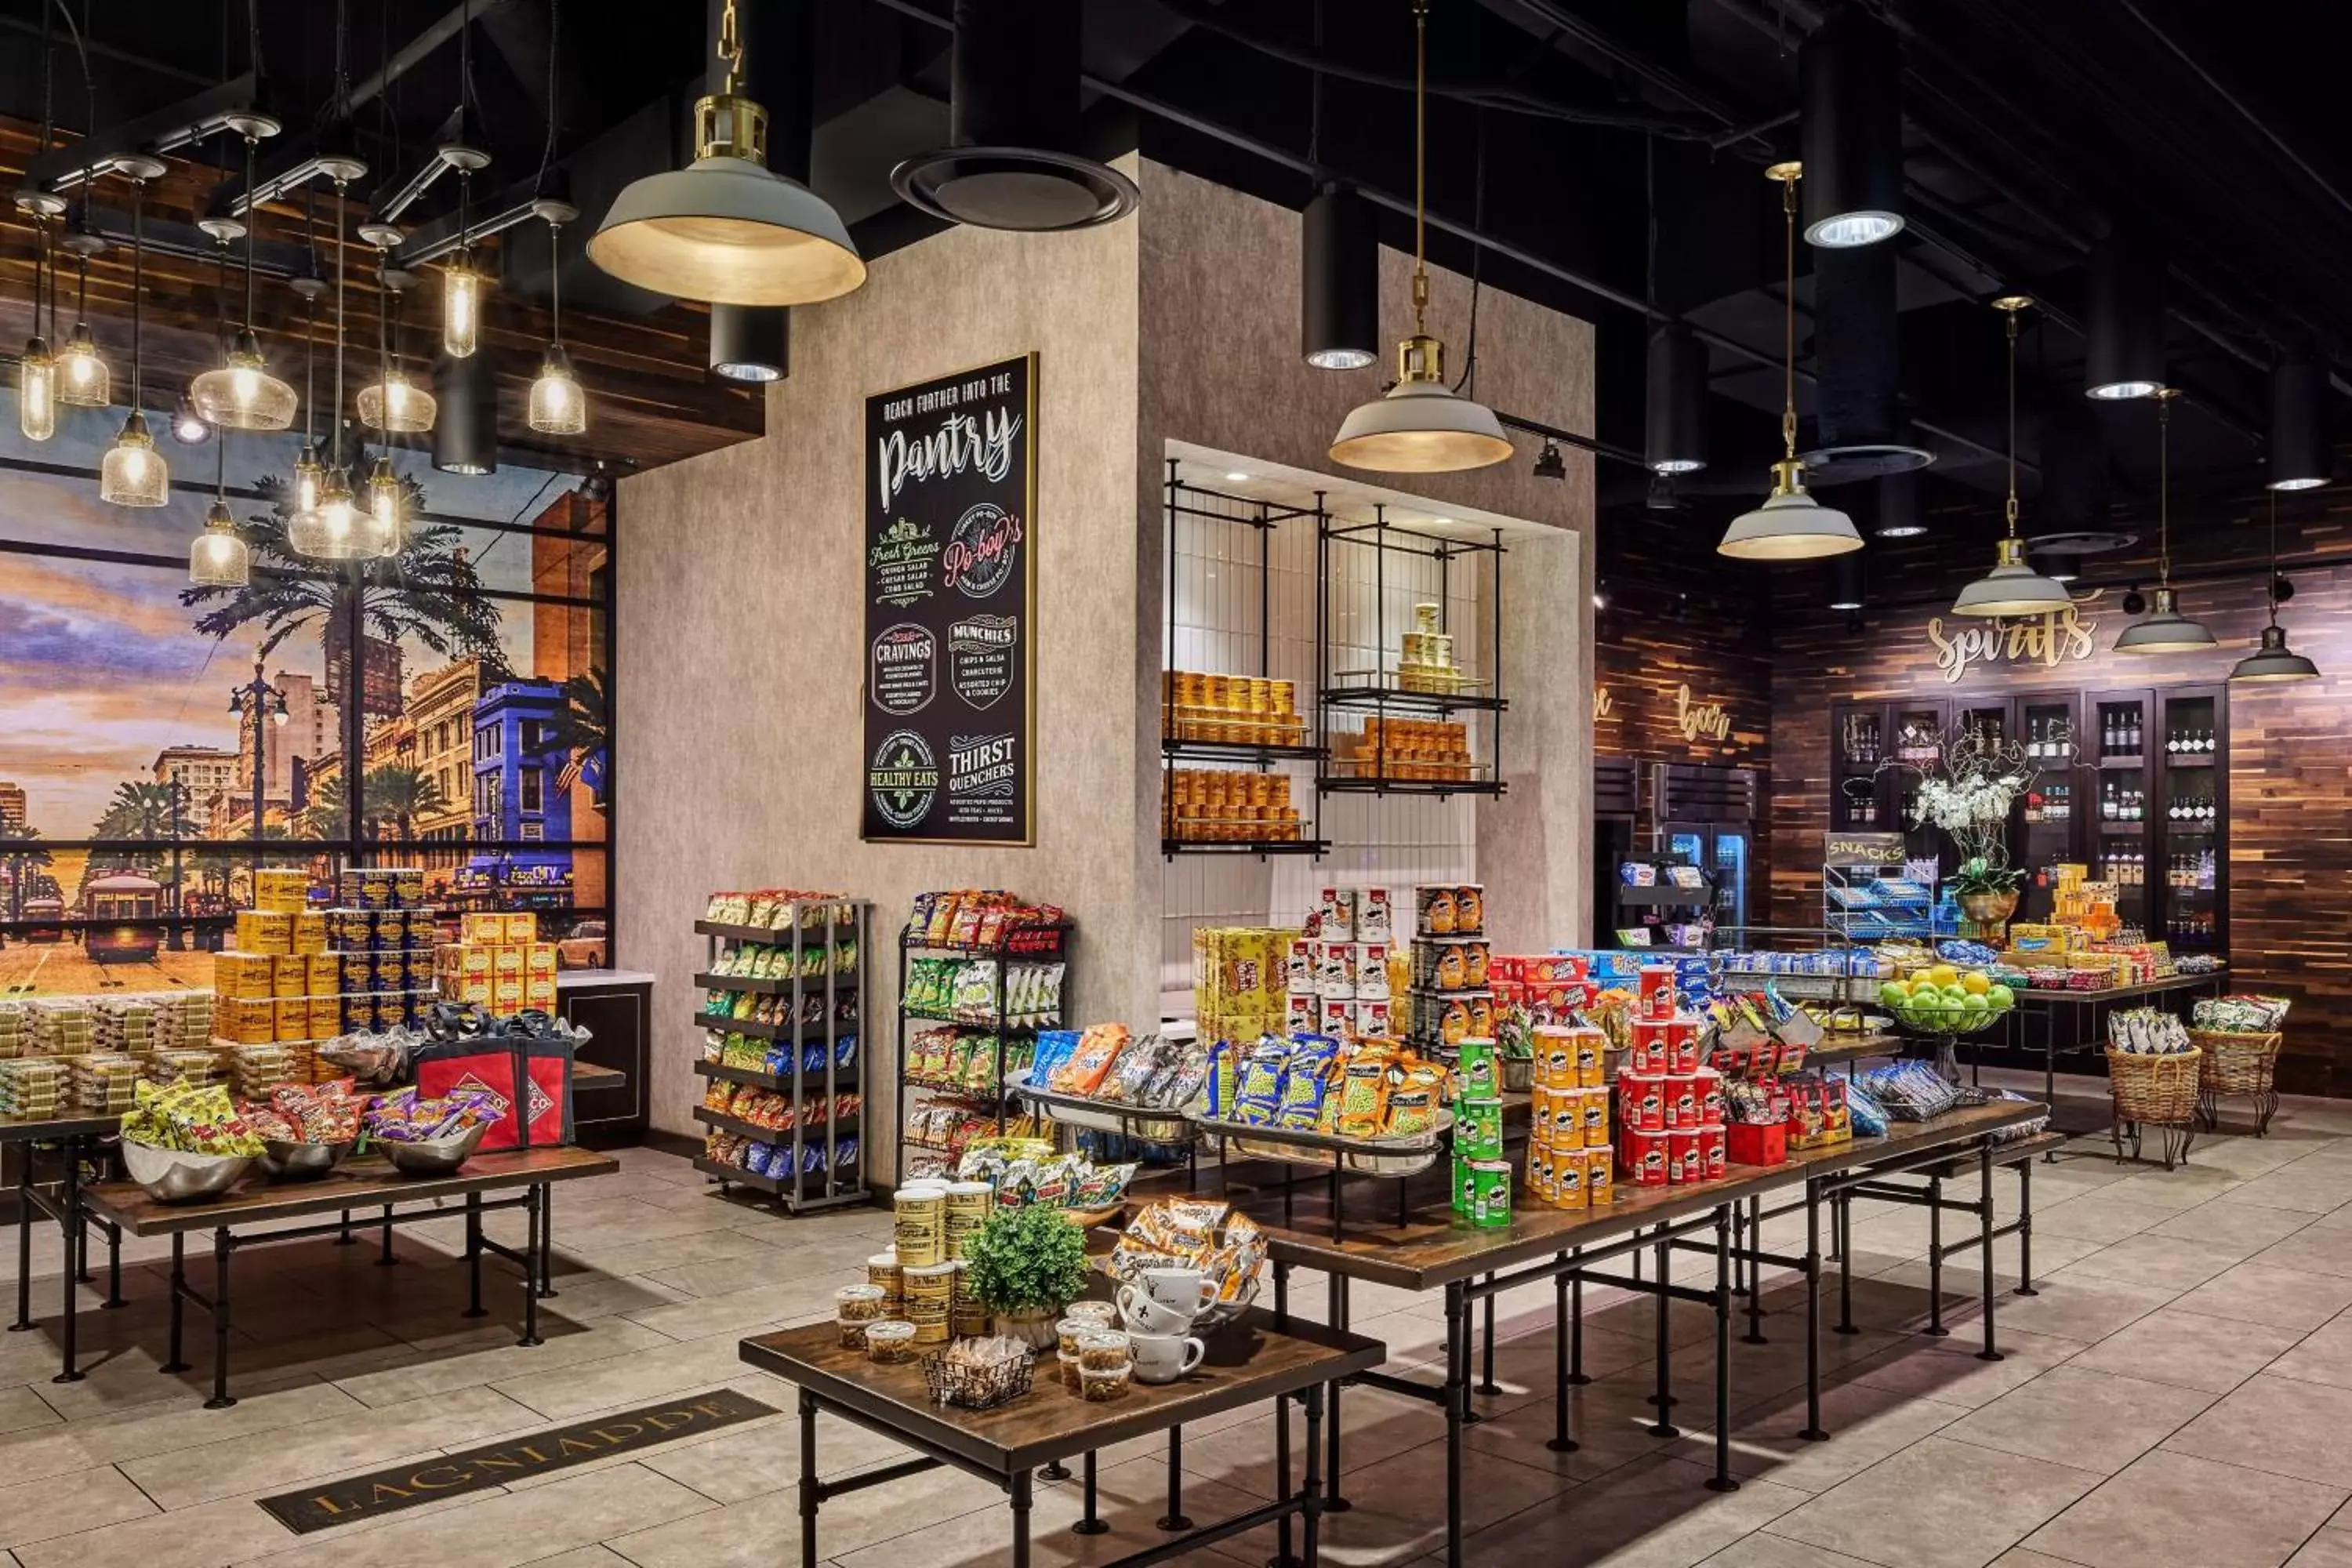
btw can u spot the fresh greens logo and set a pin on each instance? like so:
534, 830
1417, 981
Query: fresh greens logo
899, 564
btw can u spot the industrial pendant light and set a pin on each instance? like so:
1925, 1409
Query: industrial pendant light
241, 394
1420, 426
2273, 663
1791, 525
2124, 355
83, 380
1850, 128
37, 368
331, 529
217, 557
394, 404
557, 407
2011, 587
2166, 629
1673, 424
2299, 456
383, 527
133, 472
727, 228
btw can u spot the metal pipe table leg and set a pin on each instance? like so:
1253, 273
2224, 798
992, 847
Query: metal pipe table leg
547, 1243
223, 1244
1021, 1504
1665, 1397
1310, 1500
1486, 1384
384, 1258
179, 1305
474, 1308
24, 1247
345, 1238
1841, 1205
2025, 1228
1813, 1430
1576, 1373
1457, 1410
1721, 1480
1090, 1522
809, 1495
1561, 1441
1935, 1329
113, 1270
529, 1286
1340, 1312
1754, 1231
1174, 1518
1991, 1351
77, 1242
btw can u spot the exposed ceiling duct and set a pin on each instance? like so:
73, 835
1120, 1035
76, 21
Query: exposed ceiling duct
1012, 159
1857, 419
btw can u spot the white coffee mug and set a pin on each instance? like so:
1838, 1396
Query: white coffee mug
1145, 1316
1185, 1290
1164, 1358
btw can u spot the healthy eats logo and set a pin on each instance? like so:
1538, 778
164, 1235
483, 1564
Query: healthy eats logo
903, 778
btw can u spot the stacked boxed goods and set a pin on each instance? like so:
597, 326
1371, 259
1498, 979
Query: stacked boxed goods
254, 1070
1238, 978
1569, 1138
1208, 805
1449, 997
31, 1087
182, 1066
1229, 709
384, 967
14, 1032
183, 1020
281, 891
122, 1026
1670, 1108
499, 964
1433, 749
58, 1027
102, 1084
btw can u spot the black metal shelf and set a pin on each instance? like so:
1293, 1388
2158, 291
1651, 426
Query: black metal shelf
1668, 896
1171, 847
1412, 786
993, 1024
761, 1078
752, 1029
1240, 751
1398, 699
780, 936
810, 1132
768, 985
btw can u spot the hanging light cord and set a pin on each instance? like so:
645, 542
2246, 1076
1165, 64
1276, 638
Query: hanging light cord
252, 220
310, 317
138, 282
1789, 319
2164, 485
730, 48
2012, 423
555, 283
335, 430
2270, 588
1420, 160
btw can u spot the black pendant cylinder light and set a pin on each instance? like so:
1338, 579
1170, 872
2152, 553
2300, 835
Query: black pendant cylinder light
1674, 426
466, 431
1851, 130
1012, 159
1858, 423
1899, 508
1340, 282
2299, 456
2125, 357
1849, 582
751, 343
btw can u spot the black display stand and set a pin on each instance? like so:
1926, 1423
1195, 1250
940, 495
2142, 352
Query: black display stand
1039, 945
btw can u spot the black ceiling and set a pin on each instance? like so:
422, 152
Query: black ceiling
1558, 129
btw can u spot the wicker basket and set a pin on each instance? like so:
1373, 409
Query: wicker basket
2155, 1088
2237, 1063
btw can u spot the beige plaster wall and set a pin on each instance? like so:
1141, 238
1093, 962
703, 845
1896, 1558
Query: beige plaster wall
1221, 367
743, 634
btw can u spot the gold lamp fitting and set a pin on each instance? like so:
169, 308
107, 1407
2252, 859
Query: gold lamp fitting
1421, 358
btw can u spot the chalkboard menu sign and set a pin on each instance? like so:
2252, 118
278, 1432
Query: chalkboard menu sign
951, 590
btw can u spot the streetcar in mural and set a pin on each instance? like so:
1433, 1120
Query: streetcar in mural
123, 908
44, 920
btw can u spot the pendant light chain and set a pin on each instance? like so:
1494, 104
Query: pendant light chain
2012, 423
1420, 162
1789, 319
730, 48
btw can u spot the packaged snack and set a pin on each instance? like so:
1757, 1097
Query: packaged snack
1363, 1090
1433, 911
1478, 1128
1374, 921
1259, 1097
1307, 1074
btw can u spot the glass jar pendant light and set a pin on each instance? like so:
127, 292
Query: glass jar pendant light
383, 530
83, 380
2166, 629
133, 473
557, 405
331, 530
2273, 663
37, 368
394, 404
241, 394
2012, 587
1420, 426
1791, 525
217, 557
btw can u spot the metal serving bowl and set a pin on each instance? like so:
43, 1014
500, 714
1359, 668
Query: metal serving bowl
169, 1177
441, 1157
284, 1161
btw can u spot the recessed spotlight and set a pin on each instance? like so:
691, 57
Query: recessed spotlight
189, 428
1235, 477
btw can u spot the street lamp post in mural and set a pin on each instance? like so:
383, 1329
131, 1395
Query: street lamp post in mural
257, 699
177, 792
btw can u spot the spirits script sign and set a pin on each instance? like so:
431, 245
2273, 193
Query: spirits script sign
950, 592
2047, 641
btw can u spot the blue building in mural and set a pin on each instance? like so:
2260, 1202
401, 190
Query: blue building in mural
518, 796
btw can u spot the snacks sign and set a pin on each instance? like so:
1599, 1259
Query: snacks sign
950, 592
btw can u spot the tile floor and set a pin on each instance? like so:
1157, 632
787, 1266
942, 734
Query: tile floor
2176, 1393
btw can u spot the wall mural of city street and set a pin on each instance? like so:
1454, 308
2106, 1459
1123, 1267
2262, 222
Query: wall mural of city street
158, 740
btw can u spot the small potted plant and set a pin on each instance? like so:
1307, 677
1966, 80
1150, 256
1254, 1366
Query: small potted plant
1027, 1264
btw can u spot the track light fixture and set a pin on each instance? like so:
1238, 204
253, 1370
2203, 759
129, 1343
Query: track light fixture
1422, 426
1549, 463
2299, 455
750, 342
2166, 629
1791, 525
1338, 281
2012, 587
1850, 131
2124, 355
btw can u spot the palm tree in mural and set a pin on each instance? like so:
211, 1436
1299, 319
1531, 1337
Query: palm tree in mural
323, 814
397, 795
20, 857
583, 727
139, 810
429, 594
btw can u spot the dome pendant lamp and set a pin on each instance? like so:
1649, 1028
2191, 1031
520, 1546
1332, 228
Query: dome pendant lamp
241, 394
2166, 629
132, 472
2012, 587
1791, 525
2274, 663
727, 228
1422, 426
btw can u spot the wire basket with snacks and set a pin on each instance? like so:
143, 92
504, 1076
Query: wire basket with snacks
2153, 1070
2239, 1036
1106, 1080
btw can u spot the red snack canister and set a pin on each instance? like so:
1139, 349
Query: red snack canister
1646, 1050
1655, 997
1682, 1097
1646, 1158
1714, 1153
1642, 1101
1683, 1159
1710, 1098
1682, 1045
